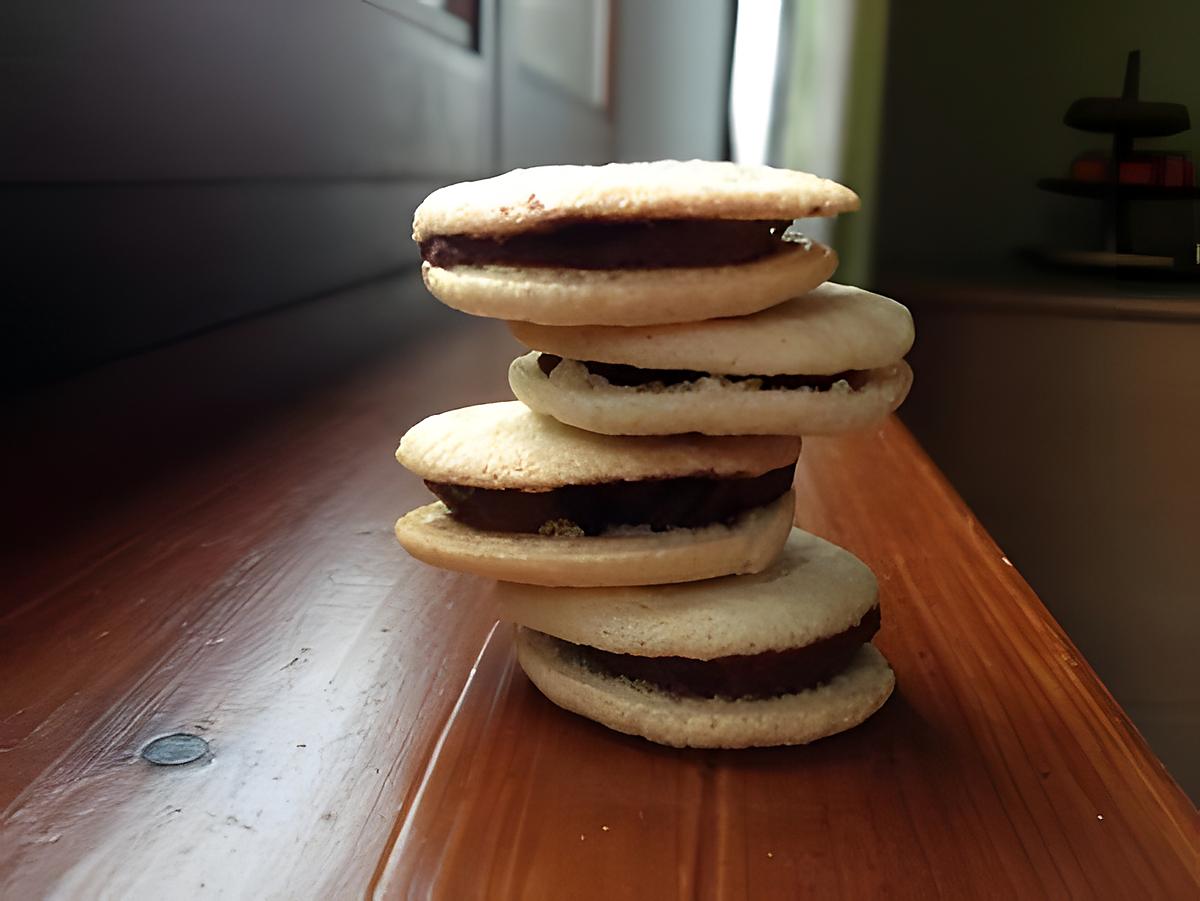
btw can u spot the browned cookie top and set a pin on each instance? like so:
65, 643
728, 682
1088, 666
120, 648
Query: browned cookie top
507, 445
814, 590
546, 197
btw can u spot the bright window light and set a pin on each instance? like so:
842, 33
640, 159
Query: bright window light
752, 90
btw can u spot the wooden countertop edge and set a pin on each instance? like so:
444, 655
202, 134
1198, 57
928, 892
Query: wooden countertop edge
1152, 773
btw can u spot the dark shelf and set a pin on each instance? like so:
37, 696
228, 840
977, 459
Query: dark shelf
1105, 189
1135, 118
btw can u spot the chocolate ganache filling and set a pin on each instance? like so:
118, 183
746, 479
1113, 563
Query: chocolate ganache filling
689, 503
764, 675
625, 376
640, 244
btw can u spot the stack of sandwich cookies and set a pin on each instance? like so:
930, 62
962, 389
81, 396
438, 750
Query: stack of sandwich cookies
636, 503
626, 244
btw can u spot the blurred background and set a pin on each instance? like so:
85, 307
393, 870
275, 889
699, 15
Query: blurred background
172, 168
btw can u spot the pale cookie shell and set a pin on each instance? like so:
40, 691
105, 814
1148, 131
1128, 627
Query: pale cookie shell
637, 708
507, 445
630, 297
710, 406
813, 589
527, 199
621, 557
829, 329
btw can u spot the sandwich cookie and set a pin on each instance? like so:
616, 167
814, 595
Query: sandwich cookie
778, 658
525, 498
626, 243
828, 361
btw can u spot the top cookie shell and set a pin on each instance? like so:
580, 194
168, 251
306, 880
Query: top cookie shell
529, 199
813, 590
830, 329
507, 445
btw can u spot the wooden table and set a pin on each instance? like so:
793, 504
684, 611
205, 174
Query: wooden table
368, 731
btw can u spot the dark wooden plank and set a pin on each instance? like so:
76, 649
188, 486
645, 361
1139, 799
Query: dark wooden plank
253, 595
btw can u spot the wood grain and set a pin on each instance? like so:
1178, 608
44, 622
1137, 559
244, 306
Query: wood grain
370, 733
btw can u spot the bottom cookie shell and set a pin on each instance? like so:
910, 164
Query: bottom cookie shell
710, 406
636, 708
616, 558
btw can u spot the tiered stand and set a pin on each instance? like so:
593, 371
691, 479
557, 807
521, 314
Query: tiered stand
1125, 118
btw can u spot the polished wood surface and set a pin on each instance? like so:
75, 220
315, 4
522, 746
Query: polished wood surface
369, 732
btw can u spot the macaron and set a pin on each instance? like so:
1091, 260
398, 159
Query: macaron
626, 243
827, 361
524, 498
781, 657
